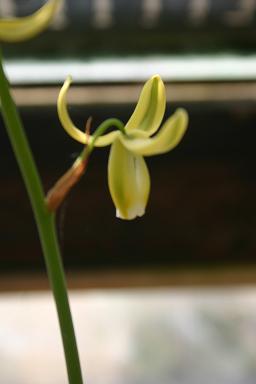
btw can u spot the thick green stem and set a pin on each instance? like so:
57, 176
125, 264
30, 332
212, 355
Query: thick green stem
46, 227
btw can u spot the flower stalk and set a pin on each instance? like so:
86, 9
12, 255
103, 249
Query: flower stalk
45, 221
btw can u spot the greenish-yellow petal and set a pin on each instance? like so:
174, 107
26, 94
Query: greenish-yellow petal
23, 28
69, 126
129, 182
166, 139
150, 108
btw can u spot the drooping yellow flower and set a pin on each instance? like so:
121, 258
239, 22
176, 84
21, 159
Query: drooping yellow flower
128, 176
22, 28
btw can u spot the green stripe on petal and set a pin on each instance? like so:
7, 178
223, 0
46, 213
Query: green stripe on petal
150, 108
129, 182
166, 139
23, 28
69, 126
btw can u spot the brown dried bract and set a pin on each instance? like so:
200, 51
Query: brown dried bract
59, 191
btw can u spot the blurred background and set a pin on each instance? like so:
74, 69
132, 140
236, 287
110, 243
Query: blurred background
199, 226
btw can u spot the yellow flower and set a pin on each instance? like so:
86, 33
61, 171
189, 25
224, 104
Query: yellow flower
128, 176
23, 28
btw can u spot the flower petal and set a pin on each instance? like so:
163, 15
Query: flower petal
129, 182
71, 129
150, 108
23, 28
168, 137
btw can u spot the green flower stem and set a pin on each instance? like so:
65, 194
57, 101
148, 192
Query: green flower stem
102, 128
46, 227
112, 122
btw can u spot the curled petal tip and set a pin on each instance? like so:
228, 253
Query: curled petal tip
71, 129
69, 79
182, 114
156, 77
64, 117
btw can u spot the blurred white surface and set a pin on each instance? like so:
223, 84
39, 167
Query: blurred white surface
134, 69
161, 336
